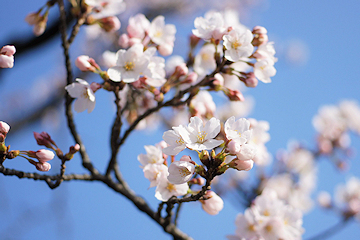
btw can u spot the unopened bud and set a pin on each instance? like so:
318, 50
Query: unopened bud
110, 24
204, 157
234, 95
124, 40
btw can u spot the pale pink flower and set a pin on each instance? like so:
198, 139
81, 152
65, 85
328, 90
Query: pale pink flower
213, 203
247, 152
265, 51
210, 27
238, 130
198, 136
7, 56
180, 172
174, 140
130, 64
153, 172
203, 105
124, 40
165, 49
204, 62
161, 33
137, 26
153, 156
108, 59
238, 44
85, 96
324, 199
165, 190
264, 70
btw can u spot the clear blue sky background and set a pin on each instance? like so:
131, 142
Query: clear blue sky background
78, 210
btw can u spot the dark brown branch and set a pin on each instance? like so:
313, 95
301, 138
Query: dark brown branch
115, 133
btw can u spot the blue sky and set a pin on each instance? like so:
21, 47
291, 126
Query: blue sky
78, 210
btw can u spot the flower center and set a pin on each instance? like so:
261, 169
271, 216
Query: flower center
129, 66
236, 44
201, 136
184, 172
158, 34
171, 187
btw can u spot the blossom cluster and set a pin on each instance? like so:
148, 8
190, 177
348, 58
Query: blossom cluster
268, 218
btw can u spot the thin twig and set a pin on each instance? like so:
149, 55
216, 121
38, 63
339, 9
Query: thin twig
331, 230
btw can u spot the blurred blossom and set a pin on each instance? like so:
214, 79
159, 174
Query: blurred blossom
297, 52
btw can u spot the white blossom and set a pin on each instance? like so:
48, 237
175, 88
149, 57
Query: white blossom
165, 190
174, 140
153, 156
161, 33
210, 27
153, 172
130, 64
180, 172
237, 130
85, 97
238, 44
213, 203
264, 69
199, 137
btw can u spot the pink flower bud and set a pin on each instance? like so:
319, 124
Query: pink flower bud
259, 30
4, 128
191, 78
213, 203
82, 62
242, 165
94, 86
181, 70
110, 24
40, 26
235, 95
44, 139
251, 80
124, 40
324, 199
233, 147
44, 155
8, 50
32, 18
165, 49
6, 61
43, 167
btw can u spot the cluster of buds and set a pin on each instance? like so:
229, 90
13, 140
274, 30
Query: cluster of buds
38, 20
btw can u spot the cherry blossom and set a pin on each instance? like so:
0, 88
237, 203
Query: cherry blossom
153, 156
4, 128
153, 172
238, 130
165, 190
180, 172
161, 33
264, 69
238, 44
85, 96
174, 140
199, 137
210, 27
106, 8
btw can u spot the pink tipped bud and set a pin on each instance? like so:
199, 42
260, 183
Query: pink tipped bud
94, 86
32, 18
165, 49
4, 128
43, 167
259, 30
8, 50
124, 40
181, 70
40, 26
251, 80
44, 139
235, 95
191, 78
213, 203
110, 24
241, 165
44, 155
83, 63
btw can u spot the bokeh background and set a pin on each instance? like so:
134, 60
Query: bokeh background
317, 45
